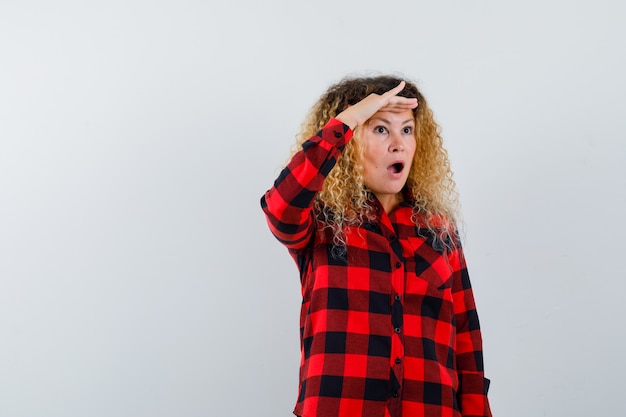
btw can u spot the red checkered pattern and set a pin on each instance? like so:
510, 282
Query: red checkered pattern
388, 323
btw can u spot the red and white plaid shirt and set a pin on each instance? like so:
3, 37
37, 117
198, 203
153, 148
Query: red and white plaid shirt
389, 327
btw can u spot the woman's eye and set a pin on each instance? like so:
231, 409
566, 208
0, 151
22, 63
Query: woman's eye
380, 129
407, 130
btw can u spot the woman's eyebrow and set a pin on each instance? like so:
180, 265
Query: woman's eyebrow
382, 119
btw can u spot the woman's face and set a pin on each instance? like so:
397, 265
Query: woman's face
388, 142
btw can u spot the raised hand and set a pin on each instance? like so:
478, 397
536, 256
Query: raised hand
354, 116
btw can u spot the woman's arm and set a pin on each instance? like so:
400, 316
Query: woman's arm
288, 204
473, 385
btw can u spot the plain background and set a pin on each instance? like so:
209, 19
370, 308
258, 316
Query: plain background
137, 274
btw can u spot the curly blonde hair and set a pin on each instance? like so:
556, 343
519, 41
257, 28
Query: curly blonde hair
345, 200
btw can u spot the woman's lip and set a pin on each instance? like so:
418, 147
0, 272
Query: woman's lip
395, 175
392, 166
392, 172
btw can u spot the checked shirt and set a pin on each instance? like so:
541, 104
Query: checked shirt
388, 327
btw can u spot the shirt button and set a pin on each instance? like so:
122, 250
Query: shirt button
397, 330
395, 395
398, 360
392, 237
398, 264
397, 297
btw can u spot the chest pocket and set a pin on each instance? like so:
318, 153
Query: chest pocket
429, 263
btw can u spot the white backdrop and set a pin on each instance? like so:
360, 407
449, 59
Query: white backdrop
137, 275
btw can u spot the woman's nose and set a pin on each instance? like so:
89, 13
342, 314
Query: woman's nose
396, 144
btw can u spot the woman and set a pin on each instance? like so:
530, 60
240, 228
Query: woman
367, 209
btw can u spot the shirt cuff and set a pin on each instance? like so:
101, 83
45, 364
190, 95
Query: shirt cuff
336, 133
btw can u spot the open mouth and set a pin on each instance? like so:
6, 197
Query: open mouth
396, 168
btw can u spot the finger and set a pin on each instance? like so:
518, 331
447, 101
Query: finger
405, 103
394, 91
396, 110
402, 100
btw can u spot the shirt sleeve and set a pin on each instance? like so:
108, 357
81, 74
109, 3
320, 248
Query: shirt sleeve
473, 386
288, 205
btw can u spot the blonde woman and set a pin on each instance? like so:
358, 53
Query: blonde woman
367, 209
